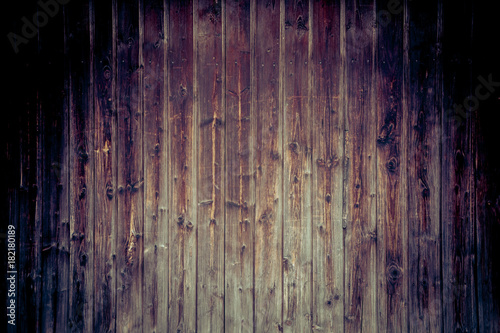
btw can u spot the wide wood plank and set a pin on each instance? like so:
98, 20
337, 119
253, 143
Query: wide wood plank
268, 166
297, 172
182, 171
360, 189
424, 171
392, 242
130, 228
239, 193
327, 168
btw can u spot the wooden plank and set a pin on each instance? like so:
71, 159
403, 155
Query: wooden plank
360, 179
239, 193
154, 267
29, 292
130, 170
182, 171
424, 171
327, 168
268, 167
486, 169
392, 238
210, 78
55, 210
297, 172
459, 290
81, 167
105, 137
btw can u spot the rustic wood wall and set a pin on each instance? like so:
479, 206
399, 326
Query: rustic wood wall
253, 166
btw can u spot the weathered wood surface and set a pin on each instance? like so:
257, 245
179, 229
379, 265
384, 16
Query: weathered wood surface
253, 166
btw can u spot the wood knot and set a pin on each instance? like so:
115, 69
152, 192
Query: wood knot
394, 273
294, 146
385, 133
392, 164
109, 191
301, 23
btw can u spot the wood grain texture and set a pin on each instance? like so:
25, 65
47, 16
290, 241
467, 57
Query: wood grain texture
268, 167
360, 221
105, 137
392, 225
155, 266
327, 168
252, 166
182, 219
424, 172
211, 118
459, 293
81, 168
239, 193
297, 172
130, 233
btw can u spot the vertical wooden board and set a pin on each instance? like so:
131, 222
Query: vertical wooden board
182, 170
105, 168
268, 167
130, 170
359, 220
55, 229
209, 76
424, 182
392, 239
458, 243
486, 167
239, 193
328, 154
297, 172
81, 167
154, 270
29, 292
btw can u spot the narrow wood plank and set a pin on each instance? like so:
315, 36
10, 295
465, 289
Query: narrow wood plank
297, 172
105, 137
55, 227
327, 168
154, 269
459, 290
268, 167
29, 292
182, 169
360, 189
486, 169
130, 170
210, 77
392, 238
78, 42
424, 190
239, 180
